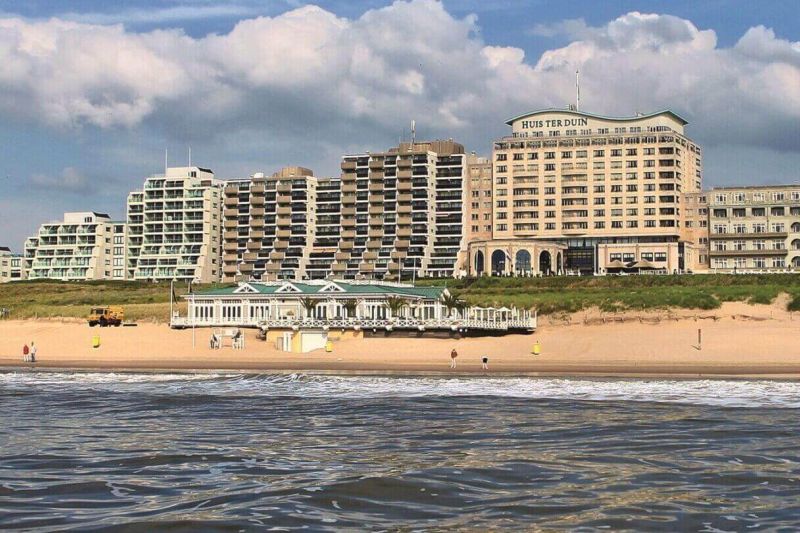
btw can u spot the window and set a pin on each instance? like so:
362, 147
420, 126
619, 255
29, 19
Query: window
599, 153
502, 157
661, 257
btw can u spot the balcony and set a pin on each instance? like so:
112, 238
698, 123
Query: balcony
394, 267
253, 245
348, 188
346, 245
404, 186
376, 186
257, 188
257, 201
366, 267
249, 256
284, 211
284, 222
339, 267
373, 244
375, 233
397, 254
284, 233
255, 222
370, 256
230, 235
729, 253
280, 245
377, 198
348, 223
230, 224
257, 212
276, 256
256, 234
348, 211
342, 256
230, 213
404, 209
348, 234
403, 198
231, 201
348, 165
402, 244
376, 209
284, 188
404, 232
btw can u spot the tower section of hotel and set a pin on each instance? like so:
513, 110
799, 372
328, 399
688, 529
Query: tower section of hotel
402, 212
573, 192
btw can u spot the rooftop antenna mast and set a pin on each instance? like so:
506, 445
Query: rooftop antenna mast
577, 90
413, 132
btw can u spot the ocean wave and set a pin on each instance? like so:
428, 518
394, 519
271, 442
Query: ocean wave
722, 393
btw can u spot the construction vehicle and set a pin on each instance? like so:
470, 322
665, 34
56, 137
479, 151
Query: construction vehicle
111, 315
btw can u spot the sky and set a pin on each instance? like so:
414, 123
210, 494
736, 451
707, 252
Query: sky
92, 92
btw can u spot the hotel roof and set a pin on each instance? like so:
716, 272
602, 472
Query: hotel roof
602, 117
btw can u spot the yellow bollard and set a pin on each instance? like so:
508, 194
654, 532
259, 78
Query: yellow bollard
96, 341
329, 346
537, 348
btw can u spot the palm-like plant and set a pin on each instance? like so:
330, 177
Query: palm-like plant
350, 306
308, 304
395, 304
451, 301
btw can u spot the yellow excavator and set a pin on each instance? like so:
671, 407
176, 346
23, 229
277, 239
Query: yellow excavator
111, 315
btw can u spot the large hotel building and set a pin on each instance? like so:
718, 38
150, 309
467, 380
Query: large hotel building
577, 192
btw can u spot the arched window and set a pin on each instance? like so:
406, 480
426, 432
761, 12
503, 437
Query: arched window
796, 244
796, 262
479, 263
522, 262
796, 227
545, 260
559, 265
498, 263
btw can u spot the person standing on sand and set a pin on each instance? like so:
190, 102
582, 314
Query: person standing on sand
25, 352
453, 355
33, 353
485, 362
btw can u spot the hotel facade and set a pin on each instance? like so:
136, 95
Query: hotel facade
574, 192
174, 227
84, 246
754, 228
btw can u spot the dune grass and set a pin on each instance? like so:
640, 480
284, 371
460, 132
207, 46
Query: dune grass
612, 293
147, 301
44, 298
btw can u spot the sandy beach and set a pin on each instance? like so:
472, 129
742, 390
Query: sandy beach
737, 340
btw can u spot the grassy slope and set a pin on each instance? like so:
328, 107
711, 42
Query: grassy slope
610, 293
147, 301
142, 301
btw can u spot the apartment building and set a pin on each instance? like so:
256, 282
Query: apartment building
754, 228
696, 228
402, 212
11, 266
284, 226
571, 190
478, 202
84, 246
174, 227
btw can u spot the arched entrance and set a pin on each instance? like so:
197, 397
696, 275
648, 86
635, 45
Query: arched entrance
559, 264
498, 263
522, 262
545, 262
479, 264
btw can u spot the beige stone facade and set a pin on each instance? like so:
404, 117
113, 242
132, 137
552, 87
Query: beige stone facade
174, 227
754, 228
583, 180
84, 246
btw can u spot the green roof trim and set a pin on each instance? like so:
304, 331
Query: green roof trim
674, 115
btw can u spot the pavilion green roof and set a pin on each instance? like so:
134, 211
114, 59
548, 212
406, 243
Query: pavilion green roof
327, 289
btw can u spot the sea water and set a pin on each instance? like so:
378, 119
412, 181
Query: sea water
235, 452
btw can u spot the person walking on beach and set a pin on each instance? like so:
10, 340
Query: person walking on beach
33, 353
453, 355
485, 362
25, 353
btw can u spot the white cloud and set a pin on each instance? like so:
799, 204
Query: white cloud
70, 180
310, 70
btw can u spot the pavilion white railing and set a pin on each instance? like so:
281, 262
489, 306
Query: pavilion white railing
499, 323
